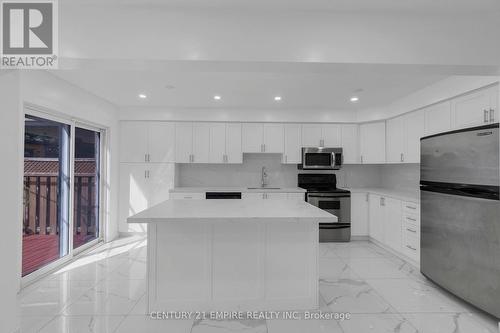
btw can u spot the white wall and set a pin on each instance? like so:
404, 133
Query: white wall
11, 198
48, 91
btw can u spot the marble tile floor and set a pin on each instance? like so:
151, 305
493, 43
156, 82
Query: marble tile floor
104, 292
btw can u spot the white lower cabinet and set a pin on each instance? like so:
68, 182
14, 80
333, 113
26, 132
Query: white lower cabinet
296, 196
394, 223
359, 214
272, 196
376, 217
187, 196
142, 185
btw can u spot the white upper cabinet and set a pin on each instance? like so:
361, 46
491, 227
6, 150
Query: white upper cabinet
233, 143
142, 141
201, 143
372, 142
273, 138
252, 135
438, 118
161, 142
293, 144
476, 108
350, 143
217, 143
225, 143
331, 135
403, 137
395, 140
183, 142
312, 135
262, 138
321, 135
414, 130
133, 141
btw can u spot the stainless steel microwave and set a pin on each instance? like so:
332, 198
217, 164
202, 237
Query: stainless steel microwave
320, 158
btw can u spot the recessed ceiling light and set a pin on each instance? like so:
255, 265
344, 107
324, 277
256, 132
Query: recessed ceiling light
277, 98
354, 99
217, 97
143, 96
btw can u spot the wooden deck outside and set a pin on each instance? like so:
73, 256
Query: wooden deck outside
41, 220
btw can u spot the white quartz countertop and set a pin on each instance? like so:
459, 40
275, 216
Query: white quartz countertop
232, 210
402, 194
237, 189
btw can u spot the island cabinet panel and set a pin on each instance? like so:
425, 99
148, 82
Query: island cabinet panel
183, 251
288, 263
233, 265
242, 279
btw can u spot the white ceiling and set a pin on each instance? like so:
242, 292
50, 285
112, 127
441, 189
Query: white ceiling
430, 6
299, 89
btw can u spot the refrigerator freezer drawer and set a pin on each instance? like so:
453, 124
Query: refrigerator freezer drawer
460, 246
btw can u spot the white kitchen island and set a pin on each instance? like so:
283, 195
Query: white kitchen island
232, 255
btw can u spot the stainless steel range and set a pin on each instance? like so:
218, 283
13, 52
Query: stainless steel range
323, 193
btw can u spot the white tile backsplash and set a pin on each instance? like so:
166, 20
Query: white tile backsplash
279, 175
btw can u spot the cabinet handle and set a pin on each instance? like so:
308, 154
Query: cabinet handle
321, 143
411, 247
149, 158
411, 219
361, 159
411, 207
145, 173
492, 115
367, 197
411, 230
485, 116
382, 201
145, 157
402, 157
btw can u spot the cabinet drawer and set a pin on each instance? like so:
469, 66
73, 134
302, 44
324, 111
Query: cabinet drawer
187, 196
411, 207
411, 245
296, 196
411, 229
411, 218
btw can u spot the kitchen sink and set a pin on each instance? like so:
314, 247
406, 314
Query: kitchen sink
264, 188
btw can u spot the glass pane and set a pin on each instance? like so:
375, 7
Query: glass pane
86, 196
46, 192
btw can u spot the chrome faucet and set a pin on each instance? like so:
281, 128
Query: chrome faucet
263, 177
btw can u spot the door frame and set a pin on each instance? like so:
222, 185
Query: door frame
49, 114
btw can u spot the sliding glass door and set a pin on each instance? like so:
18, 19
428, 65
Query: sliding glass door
86, 186
62, 164
46, 192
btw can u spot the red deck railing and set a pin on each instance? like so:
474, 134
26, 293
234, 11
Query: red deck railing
41, 219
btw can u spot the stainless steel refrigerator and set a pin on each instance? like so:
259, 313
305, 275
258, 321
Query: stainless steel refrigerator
460, 214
